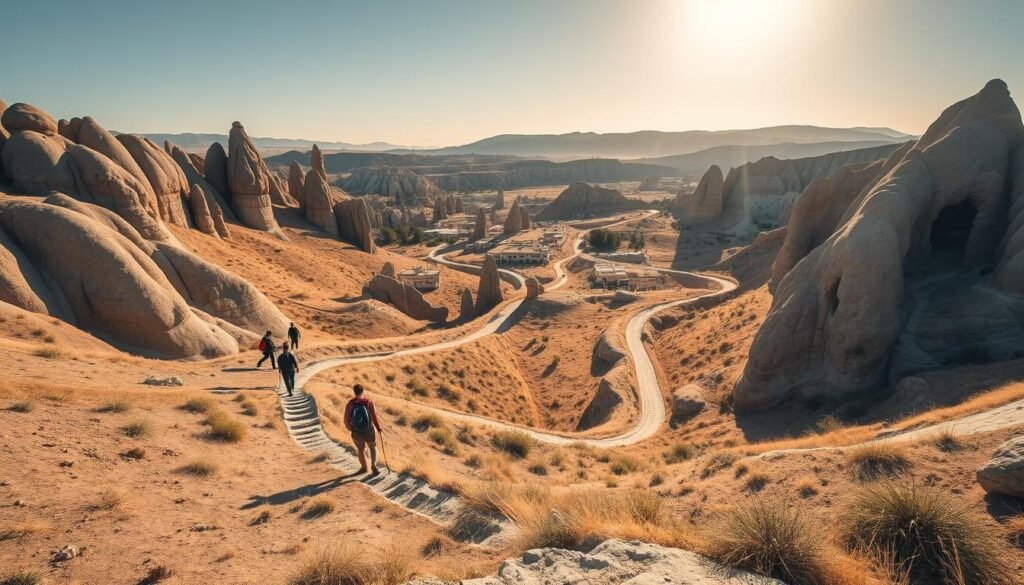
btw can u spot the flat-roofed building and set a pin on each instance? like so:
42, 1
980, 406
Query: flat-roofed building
421, 278
553, 236
608, 275
521, 252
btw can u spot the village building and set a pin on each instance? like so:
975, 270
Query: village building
611, 276
421, 278
521, 252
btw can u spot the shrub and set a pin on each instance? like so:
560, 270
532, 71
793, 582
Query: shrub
929, 534
198, 405
49, 353
224, 428
136, 429
342, 564
516, 443
538, 469
622, 464
23, 406
679, 453
108, 500
444, 438
115, 406
757, 481
447, 393
319, 506
199, 468
24, 578
769, 538
427, 421
417, 387
717, 462
948, 441
134, 453
249, 407
155, 575
875, 460
828, 424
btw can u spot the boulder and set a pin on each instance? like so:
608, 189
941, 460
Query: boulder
687, 401
218, 222
18, 117
838, 313
1003, 474
37, 164
70, 128
249, 183
389, 270
514, 219
215, 169
481, 225
96, 137
353, 220
393, 218
533, 288
296, 180
165, 177
467, 310
201, 212
319, 203
489, 294
404, 298
705, 203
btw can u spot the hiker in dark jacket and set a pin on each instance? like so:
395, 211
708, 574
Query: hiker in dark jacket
361, 419
293, 335
289, 366
267, 347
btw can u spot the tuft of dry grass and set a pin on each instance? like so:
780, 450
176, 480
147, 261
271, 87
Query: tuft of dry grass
444, 438
947, 440
199, 405
1014, 527
22, 529
319, 506
49, 353
224, 428
717, 462
756, 481
516, 443
109, 500
343, 564
878, 459
24, 578
23, 406
427, 469
926, 533
199, 468
138, 429
117, 405
807, 487
679, 453
155, 575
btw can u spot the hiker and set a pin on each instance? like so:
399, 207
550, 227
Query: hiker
293, 335
289, 366
360, 419
267, 347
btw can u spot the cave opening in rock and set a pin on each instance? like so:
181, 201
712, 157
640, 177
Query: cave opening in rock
951, 229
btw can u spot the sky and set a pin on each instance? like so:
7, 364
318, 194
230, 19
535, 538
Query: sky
448, 72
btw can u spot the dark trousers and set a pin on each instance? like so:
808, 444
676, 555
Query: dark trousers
289, 380
273, 360
295, 341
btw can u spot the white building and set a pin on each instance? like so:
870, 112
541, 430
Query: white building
607, 275
421, 278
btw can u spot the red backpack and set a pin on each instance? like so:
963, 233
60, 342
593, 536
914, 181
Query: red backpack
263, 344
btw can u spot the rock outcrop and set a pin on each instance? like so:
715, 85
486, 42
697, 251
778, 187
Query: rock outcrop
489, 294
581, 200
214, 198
296, 183
499, 200
1003, 474
404, 298
514, 219
533, 287
22, 117
215, 169
165, 177
218, 222
525, 221
319, 202
353, 220
899, 285
705, 203
97, 138
481, 226
440, 210
249, 182
389, 270
467, 309
405, 186
687, 401
201, 212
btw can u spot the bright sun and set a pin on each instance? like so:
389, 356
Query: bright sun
727, 25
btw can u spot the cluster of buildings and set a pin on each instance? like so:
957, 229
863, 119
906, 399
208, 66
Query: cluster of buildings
421, 278
532, 247
612, 276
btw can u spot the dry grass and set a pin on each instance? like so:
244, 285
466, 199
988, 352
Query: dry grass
118, 405
155, 575
444, 438
878, 460
199, 405
109, 500
22, 529
199, 468
679, 453
24, 578
1014, 527
927, 533
23, 406
343, 564
319, 506
515, 443
224, 428
717, 462
947, 440
138, 429
424, 467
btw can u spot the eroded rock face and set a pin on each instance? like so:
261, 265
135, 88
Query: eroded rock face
354, 224
319, 203
705, 203
96, 137
404, 185
201, 212
69, 128
481, 225
489, 294
296, 183
583, 200
215, 169
249, 182
389, 270
218, 222
440, 210
533, 288
914, 234
165, 177
499, 201
215, 200
687, 401
514, 219
467, 309
525, 221
404, 298
1004, 473
18, 117
37, 164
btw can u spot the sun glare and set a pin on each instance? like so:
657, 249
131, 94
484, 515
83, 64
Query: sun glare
730, 25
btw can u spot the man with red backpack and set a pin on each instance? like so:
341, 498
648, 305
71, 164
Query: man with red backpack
361, 419
267, 347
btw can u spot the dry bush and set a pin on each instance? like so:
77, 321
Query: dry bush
199, 468
24, 578
109, 500
623, 464
497, 468
757, 481
198, 405
319, 506
224, 428
947, 440
516, 443
155, 575
878, 459
679, 453
425, 468
49, 353
138, 429
343, 564
717, 462
444, 438
1014, 527
23, 406
807, 487
21, 529
927, 533
427, 421
249, 407
117, 405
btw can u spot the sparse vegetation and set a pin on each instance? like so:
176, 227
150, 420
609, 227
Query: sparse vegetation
224, 428
319, 506
198, 405
199, 468
138, 429
878, 459
622, 464
49, 353
716, 462
444, 438
679, 453
108, 500
24, 578
23, 406
516, 443
342, 564
427, 421
117, 405
948, 441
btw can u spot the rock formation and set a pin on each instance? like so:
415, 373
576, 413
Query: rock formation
200, 164
1004, 473
249, 182
404, 298
467, 309
69, 128
389, 270
296, 182
499, 201
319, 200
582, 200
533, 287
215, 169
525, 221
27, 118
316, 162
353, 220
514, 219
4, 135
201, 212
165, 177
705, 203
489, 294
494, 216
96, 137
687, 401
214, 198
440, 210
459, 205
481, 225
218, 222
404, 185
899, 285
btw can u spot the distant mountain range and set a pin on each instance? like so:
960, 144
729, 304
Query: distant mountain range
195, 142
649, 143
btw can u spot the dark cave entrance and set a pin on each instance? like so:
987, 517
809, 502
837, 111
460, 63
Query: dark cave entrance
951, 229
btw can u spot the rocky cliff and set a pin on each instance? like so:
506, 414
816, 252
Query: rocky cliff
581, 200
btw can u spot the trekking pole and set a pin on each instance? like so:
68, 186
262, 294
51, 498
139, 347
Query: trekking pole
384, 452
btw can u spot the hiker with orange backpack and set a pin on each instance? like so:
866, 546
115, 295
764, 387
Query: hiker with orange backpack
267, 347
361, 419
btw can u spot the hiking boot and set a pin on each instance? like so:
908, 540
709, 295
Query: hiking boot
375, 471
361, 470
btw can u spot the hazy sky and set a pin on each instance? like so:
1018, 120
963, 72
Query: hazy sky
449, 72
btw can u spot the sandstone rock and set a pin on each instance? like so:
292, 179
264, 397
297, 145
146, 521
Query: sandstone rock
389, 270
687, 401
624, 296
459, 206
354, 224
165, 177
70, 129
440, 210
279, 192
199, 163
96, 137
18, 117
218, 222
1010, 270
525, 221
705, 203
489, 294
1004, 473
393, 218
296, 181
214, 198
215, 169
169, 381
583, 200
533, 288
499, 201
316, 162
404, 298
514, 219
467, 309
481, 225
610, 396
201, 212
38, 164
494, 216
249, 183
418, 219
839, 311
404, 185
319, 203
